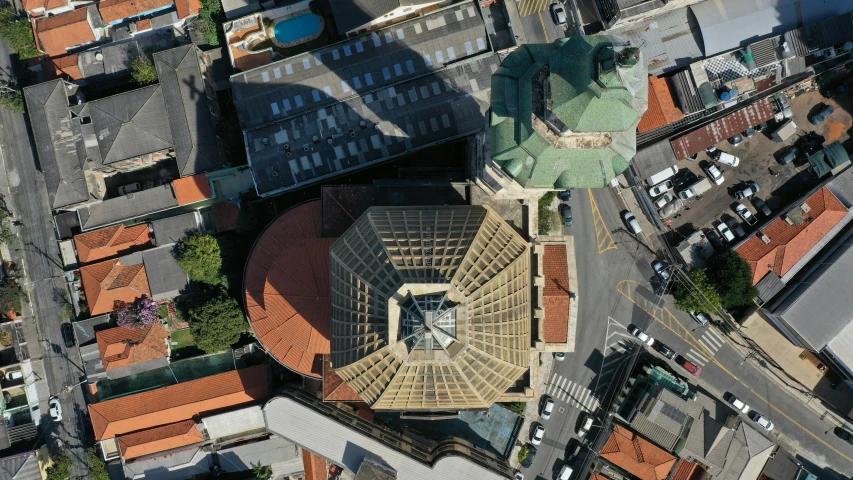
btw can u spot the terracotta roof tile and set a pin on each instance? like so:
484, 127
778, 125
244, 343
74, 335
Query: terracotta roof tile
335, 389
187, 8
663, 108
225, 215
179, 402
685, 470
30, 5
122, 346
109, 284
143, 25
192, 189
636, 455
315, 466
556, 270
287, 289
790, 243
57, 33
65, 66
111, 241
115, 10
159, 439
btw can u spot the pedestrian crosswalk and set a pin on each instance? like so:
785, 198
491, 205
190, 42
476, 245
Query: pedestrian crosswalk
617, 344
712, 341
562, 389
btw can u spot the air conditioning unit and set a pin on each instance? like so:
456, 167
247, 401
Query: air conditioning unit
827, 53
764, 238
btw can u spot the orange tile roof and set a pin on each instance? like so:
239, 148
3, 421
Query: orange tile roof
663, 108
144, 24
790, 243
110, 284
30, 5
335, 389
287, 289
187, 8
636, 455
64, 66
179, 402
57, 33
115, 10
192, 189
315, 466
556, 271
685, 470
159, 439
123, 346
111, 241
597, 476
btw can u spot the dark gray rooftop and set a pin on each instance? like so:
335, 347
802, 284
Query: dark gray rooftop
127, 207
57, 139
171, 230
351, 14
84, 330
166, 279
654, 158
114, 62
23, 466
188, 109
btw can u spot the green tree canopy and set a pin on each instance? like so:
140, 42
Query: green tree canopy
704, 298
143, 70
200, 257
61, 467
731, 277
217, 324
18, 32
97, 467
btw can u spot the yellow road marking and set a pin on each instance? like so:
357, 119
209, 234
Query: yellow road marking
665, 317
530, 7
544, 31
602, 234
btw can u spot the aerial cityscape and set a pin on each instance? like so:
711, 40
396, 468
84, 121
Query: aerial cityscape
451, 239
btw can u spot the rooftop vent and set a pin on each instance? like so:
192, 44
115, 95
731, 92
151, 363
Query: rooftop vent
764, 238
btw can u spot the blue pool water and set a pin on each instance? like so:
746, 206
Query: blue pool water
297, 27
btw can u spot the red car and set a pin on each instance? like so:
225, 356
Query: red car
694, 369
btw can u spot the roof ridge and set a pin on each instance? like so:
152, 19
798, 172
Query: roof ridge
144, 104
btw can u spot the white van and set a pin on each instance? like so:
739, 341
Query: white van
663, 175
728, 159
565, 473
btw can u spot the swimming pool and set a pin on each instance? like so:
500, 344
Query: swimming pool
295, 28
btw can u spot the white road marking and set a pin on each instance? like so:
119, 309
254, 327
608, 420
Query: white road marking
716, 334
693, 355
708, 346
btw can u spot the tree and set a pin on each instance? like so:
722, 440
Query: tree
18, 32
546, 215
11, 99
217, 324
200, 257
7, 233
262, 471
97, 467
731, 277
704, 298
10, 297
143, 70
142, 313
209, 21
60, 469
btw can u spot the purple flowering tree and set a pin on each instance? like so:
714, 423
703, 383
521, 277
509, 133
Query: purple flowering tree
142, 313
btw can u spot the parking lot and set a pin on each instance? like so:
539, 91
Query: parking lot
760, 156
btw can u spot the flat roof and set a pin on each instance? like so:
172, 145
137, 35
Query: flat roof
172, 229
126, 207
166, 279
366, 99
726, 127
669, 41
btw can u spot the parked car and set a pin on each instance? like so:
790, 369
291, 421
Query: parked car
632, 223
700, 317
684, 177
664, 350
811, 143
834, 92
714, 174
790, 156
783, 107
736, 228
844, 435
736, 402
67, 334
14, 375
538, 434
645, 338
736, 140
712, 150
663, 200
566, 212
694, 369
761, 206
559, 356
518, 476
822, 115
531, 454
130, 188
761, 420
728, 159
565, 195
660, 188
573, 449
585, 425
558, 14
725, 233
749, 190
547, 407
661, 271
565, 473
55, 409
749, 133
744, 213
761, 127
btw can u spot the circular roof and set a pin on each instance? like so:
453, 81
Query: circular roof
287, 289
430, 307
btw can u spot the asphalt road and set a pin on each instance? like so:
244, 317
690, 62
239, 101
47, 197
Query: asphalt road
45, 285
538, 24
616, 288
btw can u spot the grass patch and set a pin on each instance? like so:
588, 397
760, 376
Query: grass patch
517, 407
185, 347
546, 215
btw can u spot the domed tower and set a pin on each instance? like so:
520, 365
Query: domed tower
564, 115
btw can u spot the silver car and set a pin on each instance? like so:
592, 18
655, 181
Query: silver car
632, 223
749, 190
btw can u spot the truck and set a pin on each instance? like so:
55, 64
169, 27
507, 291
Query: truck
784, 131
695, 189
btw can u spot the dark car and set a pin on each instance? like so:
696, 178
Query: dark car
531, 454
811, 143
664, 350
749, 133
566, 211
565, 195
844, 435
822, 115
761, 206
834, 92
684, 177
67, 335
789, 156
573, 448
736, 140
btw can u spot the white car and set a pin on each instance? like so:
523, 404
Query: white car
547, 408
745, 214
585, 426
559, 356
55, 409
738, 404
14, 375
728, 159
761, 420
663, 200
714, 174
727, 234
538, 435
632, 222
643, 336
660, 189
